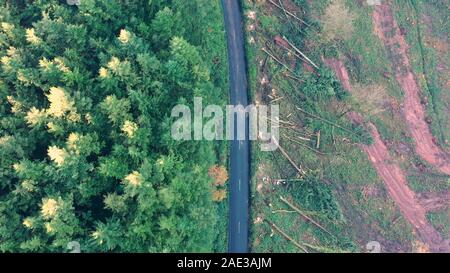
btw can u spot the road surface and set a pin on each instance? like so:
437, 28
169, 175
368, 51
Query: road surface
240, 149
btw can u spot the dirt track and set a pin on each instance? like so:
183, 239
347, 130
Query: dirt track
340, 71
398, 189
392, 175
388, 31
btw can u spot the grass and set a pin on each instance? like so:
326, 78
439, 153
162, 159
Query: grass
441, 221
367, 61
427, 182
391, 128
215, 51
337, 22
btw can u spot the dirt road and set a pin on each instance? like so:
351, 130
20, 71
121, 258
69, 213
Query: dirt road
397, 186
392, 175
388, 31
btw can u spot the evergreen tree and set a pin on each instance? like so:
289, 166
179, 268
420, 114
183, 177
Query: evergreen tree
85, 148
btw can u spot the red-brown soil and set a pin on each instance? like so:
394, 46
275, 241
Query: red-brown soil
397, 186
388, 31
340, 71
393, 176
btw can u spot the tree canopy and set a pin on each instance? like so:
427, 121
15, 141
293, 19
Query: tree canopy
86, 151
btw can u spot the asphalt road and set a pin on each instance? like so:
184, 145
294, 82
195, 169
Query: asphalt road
238, 225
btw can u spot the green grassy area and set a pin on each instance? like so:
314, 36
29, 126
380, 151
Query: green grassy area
441, 221
366, 61
421, 183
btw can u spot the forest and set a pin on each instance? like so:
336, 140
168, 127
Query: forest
86, 154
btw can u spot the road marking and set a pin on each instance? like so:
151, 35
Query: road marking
239, 227
239, 184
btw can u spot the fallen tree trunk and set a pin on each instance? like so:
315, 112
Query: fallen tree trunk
325, 120
292, 206
279, 230
285, 154
299, 52
288, 12
294, 75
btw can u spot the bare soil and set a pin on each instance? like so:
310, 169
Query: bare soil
397, 186
388, 31
393, 176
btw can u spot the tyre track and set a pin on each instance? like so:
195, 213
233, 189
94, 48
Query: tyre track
387, 29
392, 175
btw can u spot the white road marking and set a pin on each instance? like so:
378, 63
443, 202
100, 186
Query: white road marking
239, 181
239, 227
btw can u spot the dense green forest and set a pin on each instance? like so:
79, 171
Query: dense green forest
85, 148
